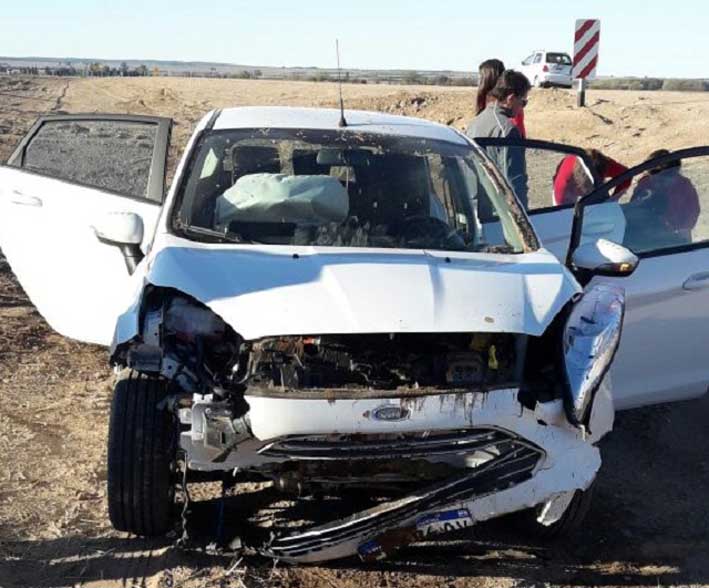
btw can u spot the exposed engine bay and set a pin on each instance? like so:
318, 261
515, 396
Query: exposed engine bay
186, 342
401, 362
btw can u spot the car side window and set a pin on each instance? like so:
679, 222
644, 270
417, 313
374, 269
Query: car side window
528, 60
111, 155
556, 175
667, 206
538, 58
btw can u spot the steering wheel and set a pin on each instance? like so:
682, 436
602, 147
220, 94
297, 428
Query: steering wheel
428, 232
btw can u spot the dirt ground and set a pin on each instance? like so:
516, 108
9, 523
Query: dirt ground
648, 526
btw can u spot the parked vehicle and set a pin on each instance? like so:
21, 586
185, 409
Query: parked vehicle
327, 307
548, 68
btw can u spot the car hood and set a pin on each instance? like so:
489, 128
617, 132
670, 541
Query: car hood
281, 290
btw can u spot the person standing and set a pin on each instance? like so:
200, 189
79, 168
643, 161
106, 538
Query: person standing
489, 71
506, 100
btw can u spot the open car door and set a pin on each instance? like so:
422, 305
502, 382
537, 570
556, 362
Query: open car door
557, 176
664, 220
68, 173
660, 211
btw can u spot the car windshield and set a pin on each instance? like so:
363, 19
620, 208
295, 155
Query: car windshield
559, 58
347, 189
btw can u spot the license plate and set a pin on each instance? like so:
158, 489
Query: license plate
444, 521
371, 551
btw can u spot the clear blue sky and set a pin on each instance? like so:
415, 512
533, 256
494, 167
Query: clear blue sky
661, 38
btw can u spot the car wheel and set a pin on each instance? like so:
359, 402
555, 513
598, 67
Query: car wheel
141, 457
572, 519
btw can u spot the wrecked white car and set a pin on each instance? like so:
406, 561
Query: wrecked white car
327, 307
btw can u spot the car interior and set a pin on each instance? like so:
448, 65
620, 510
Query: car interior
393, 197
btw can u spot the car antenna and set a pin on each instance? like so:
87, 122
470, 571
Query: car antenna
343, 121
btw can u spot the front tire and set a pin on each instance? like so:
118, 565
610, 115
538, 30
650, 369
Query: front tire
572, 519
141, 457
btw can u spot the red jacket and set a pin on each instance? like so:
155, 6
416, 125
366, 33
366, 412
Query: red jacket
571, 182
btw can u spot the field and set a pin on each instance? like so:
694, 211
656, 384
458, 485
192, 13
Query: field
648, 526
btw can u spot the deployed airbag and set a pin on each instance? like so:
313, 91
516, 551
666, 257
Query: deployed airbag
272, 198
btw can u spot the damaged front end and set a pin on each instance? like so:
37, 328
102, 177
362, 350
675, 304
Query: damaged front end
455, 428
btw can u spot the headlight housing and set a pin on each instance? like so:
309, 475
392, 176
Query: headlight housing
591, 338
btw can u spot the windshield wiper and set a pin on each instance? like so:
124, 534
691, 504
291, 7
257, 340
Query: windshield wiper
225, 236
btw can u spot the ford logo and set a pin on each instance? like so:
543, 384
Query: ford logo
389, 412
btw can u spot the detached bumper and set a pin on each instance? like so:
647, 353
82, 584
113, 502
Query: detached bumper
537, 457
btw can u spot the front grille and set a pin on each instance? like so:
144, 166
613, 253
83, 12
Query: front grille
409, 445
513, 466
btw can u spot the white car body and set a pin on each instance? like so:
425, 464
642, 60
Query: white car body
260, 291
548, 68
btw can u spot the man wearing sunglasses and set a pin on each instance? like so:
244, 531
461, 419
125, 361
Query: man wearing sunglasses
508, 99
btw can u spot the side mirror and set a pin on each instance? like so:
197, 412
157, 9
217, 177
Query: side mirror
125, 231
120, 228
604, 258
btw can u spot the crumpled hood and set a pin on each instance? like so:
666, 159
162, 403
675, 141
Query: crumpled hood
265, 290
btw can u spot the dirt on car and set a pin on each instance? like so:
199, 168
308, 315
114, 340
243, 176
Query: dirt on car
648, 524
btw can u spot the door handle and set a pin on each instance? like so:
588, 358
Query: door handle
21, 199
697, 281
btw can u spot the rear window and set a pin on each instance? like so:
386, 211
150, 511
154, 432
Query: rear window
558, 58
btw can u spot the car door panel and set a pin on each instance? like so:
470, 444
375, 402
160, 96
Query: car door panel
664, 347
79, 284
602, 221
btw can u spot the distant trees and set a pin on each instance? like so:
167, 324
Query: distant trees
320, 77
686, 85
413, 77
95, 69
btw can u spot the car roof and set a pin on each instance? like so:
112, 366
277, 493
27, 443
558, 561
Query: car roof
279, 117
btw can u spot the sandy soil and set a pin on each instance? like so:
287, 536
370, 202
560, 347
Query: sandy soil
649, 524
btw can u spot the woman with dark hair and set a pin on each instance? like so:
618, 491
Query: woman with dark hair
489, 71
505, 101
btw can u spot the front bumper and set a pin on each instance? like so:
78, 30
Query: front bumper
557, 80
537, 457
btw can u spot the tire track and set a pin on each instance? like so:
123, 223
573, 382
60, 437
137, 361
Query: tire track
60, 99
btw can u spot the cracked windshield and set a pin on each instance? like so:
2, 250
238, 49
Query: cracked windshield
343, 189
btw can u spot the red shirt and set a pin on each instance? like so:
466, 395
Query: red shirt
518, 121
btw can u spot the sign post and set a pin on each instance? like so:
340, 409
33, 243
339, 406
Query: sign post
581, 92
586, 40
